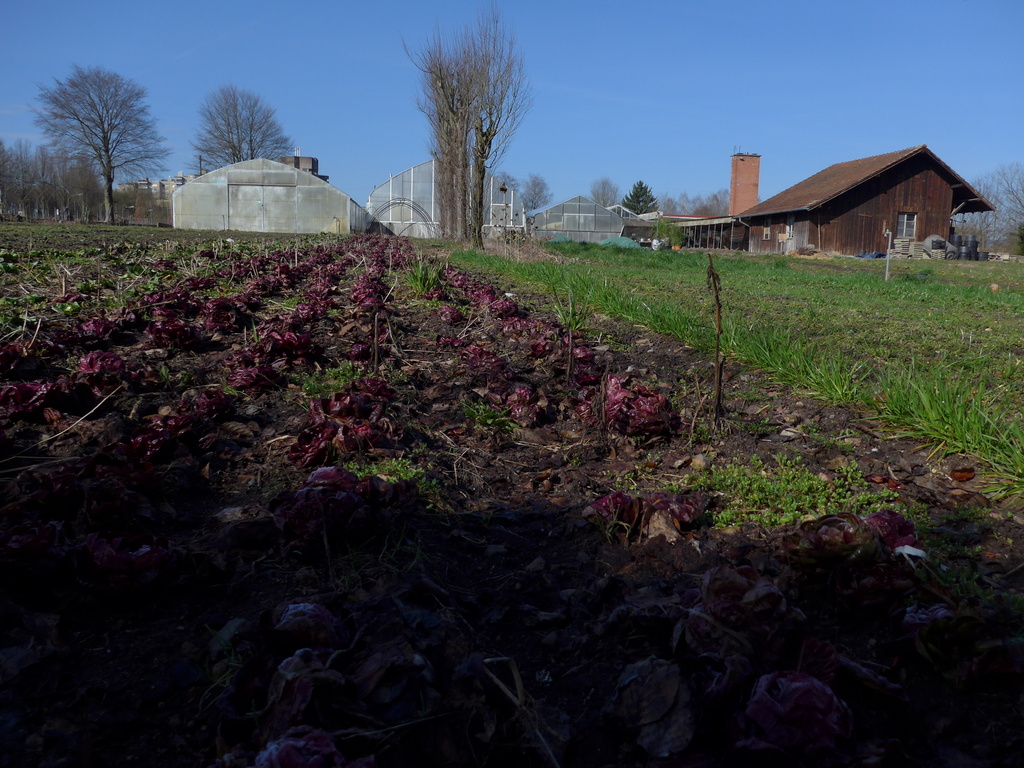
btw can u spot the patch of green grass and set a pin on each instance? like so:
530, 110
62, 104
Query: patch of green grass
326, 382
426, 275
787, 493
489, 418
837, 330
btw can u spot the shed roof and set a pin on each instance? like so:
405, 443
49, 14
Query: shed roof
840, 178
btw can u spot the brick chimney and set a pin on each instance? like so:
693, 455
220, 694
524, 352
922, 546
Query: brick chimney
746, 175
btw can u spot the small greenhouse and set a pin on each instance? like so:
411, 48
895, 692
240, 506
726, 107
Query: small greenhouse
408, 204
265, 196
585, 221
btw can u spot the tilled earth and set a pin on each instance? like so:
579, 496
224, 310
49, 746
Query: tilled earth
187, 582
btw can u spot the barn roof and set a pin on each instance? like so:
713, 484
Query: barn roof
840, 178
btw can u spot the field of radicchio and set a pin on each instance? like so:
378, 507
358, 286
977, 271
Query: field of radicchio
285, 506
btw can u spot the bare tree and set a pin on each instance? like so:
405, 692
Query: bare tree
38, 183
503, 99
237, 125
605, 192
104, 116
711, 204
447, 101
475, 94
669, 205
1004, 188
535, 192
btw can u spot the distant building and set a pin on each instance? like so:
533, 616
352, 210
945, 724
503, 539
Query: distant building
584, 221
408, 204
265, 196
307, 164
851, 208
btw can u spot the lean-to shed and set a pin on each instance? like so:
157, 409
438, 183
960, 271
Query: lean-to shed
265, 196
850, 207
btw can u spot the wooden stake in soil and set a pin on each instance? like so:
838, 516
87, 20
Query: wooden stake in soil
715, 286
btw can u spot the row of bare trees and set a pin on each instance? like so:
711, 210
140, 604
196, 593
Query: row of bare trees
604, 191
99, 129
1003, 229
475, 94
39, 183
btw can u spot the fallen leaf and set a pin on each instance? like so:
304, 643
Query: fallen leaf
962, 474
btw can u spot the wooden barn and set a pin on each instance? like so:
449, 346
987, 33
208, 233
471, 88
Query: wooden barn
850, 207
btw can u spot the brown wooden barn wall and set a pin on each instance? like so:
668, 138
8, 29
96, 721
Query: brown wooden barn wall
856, 222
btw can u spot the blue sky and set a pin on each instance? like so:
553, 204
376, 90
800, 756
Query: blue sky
662, 92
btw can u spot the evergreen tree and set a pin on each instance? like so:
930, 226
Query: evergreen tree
640, 199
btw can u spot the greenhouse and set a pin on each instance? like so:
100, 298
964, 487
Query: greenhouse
265, 196
407, 204
585, 221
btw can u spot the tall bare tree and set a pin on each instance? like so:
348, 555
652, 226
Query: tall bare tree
604, 192
475, 95
104, 116
237, 125
1004, 188
535, 192
447, 100
503, 99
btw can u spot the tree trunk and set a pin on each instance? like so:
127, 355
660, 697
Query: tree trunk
108, 192
476, 201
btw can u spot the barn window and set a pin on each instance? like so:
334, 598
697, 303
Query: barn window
767, 230
906, 225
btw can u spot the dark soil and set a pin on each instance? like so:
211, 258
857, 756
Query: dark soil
479, 618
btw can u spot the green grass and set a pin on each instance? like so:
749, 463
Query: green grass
786, 493
325, 383
934, 352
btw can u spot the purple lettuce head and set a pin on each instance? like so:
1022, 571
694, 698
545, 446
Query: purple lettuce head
797, 714
616, 507
684, 509
306, 747
307, 625
894, 528
452, 315
831, 540
638, 411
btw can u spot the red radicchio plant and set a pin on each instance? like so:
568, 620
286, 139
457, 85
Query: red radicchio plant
174, 333
124, 564
368, 293
95, 332
684, 510
10, 356
327, 504
220, 315
451, 315
102, 372
522, 403
307, 747
831, 540
503, 308
345, 422
638, 411
307, 625
894, 528
254, 378
616, 507
796, 714
742, 612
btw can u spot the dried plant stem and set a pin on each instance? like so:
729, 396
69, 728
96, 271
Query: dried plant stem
67, 429
519, 699
715, 286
